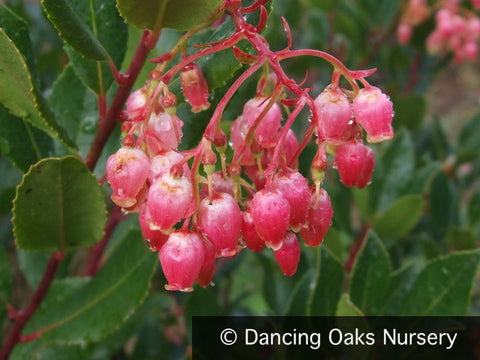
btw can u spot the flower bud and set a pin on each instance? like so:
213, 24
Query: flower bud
182, 258
373, 110
355, 163
194, 87
127, 171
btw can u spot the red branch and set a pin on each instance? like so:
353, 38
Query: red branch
107, 125
97, 250
24, 316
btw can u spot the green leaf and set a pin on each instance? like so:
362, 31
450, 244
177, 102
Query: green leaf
397, 163
101, 16
400, 217
444, 286
401, 284
443, 203
73, 29
327, 285
180, 15
58, 206
297, 304
98, 307
17, 30
22, 143
370, 276
409, 111
19, 95
76, 109
461, 239
346, 307
468, 148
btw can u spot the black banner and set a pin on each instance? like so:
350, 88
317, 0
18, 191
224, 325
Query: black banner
248, 337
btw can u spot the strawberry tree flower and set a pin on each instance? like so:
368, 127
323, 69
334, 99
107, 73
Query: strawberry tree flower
210, 201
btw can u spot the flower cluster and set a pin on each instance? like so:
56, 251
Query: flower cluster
201, 204
457, 29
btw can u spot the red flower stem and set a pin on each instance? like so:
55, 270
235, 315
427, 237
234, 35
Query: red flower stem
107, 125
15, 333
97, 250
270, 171
217, 115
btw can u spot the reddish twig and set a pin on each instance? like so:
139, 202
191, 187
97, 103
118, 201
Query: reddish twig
107, 125
24, 316
97, 250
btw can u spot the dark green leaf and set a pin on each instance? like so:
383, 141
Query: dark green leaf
22, 143
59, 205
400, 217
461, 239
443, 204
444, 286
409, 111
327, 286
17, 30
98, 307
102, 18
76, 109
474, 208
401, 284
397, 163
468, 143
179, 14
299, 297
74, 29
18, 94
370, 276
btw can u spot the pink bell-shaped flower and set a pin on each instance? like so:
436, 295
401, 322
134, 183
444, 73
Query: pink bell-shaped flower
266, 133
319, 218
220, 220
271, 216
373, 110
355, 163
207, 271
169, 200
288, 256
294, 188
253, 241
127, 171
334, 113
182, 258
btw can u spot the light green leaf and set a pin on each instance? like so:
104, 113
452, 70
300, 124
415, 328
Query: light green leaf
19, 95
346, 307
327, 286
180, 15
443, 287
98, 308
58, 206
73, 29
370, 276
400, 217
